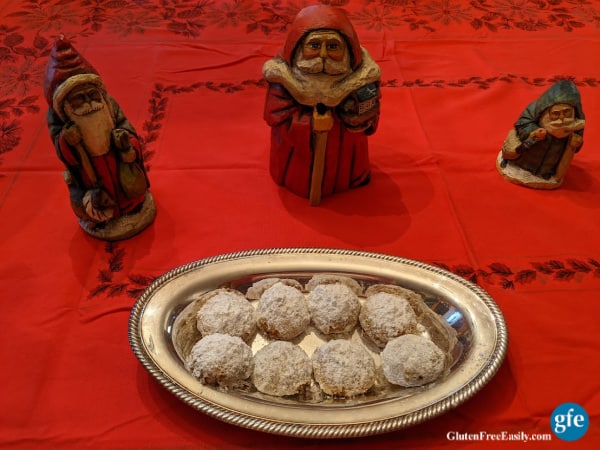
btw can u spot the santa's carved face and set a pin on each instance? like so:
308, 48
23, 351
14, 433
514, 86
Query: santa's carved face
86, 106
559, 120
83, 100
323, 51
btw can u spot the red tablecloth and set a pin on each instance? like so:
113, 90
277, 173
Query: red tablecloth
455, 77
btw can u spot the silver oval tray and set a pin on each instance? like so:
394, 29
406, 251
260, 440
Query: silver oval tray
470, 311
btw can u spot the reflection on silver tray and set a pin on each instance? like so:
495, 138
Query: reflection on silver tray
477, 320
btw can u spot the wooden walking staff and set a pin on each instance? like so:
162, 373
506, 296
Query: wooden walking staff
575, 142
321, 124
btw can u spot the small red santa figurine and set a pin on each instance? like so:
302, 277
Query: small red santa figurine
100, 149
322, 103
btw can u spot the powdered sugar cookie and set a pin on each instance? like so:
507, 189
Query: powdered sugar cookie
227, 312
334, 308
384, 316
281, 368
343, 368
282, 312
220, 359
412, 360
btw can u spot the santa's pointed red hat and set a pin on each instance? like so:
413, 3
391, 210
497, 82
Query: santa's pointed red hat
66, 69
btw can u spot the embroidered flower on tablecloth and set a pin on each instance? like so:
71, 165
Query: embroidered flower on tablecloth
45, 18
132, 22
10, 136
6, 56
588, 14
233, 14
274, 17
446, 11
376, 18
22, 79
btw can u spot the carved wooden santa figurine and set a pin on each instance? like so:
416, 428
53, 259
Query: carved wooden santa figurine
322, 103
100, 149
539, 149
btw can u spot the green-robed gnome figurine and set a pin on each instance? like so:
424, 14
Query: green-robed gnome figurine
540, 148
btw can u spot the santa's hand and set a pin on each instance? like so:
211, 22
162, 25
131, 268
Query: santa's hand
72, 134
96, 211
121, 139
322, 120
358, 123
538, 135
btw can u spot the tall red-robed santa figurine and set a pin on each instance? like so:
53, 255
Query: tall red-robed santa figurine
100, 149
322, 103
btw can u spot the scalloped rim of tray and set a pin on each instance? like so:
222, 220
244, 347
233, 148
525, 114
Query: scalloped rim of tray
152, 316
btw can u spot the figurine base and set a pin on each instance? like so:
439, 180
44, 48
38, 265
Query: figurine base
513, 173
125, 226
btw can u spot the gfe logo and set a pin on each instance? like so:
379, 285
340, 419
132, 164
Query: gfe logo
569, 421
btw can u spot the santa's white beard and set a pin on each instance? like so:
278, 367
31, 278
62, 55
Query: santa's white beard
562, 128
319, 76
311, 89
318, 85
96, 125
